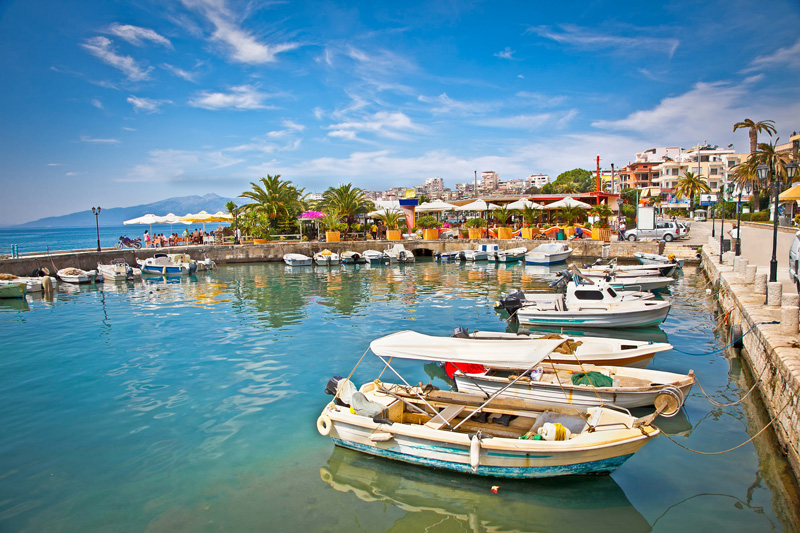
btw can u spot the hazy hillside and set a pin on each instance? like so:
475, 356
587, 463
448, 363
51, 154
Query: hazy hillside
115, 216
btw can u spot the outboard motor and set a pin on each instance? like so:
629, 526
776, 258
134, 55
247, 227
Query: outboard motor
192, 267
460, 333
333, 385
512, 301
129, 273
563, 278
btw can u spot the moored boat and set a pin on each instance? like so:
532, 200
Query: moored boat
374, 257
12, 289
168, 265
398, 254
483, 252
119, 270
326, 258
297, 260
656, 259
352, 258
77, 275
548, 253
511, 255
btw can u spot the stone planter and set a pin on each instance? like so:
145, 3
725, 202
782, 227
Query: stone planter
260, 241
332, 236
528, 233
393, 235
430, 234
569, 231
475, 233
504, 233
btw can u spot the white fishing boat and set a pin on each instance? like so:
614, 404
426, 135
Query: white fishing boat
632, 282
294, 260
586, 304
640, 269
168, 265
326, 258
656, 259
77, 275
582, 385
205, 264
398, 254
483, 252
119, 270
494, 436
449, 256
548, 253
352, 258
374, 257
12, 289
511, 255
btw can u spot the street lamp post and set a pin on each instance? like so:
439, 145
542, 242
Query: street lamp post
96, 213
764, 174
721, 222
746, 188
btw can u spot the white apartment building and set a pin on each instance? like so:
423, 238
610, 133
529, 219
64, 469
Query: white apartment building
715, 164
490, 181
433, 187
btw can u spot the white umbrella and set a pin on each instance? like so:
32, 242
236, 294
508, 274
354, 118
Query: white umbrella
569, 201
434, 206
148, 220
477, 205
522, 203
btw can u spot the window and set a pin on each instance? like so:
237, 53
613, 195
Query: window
588, 295
713, 171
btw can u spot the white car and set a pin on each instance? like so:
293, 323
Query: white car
666, 230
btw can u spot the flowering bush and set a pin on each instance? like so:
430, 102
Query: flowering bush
312, 215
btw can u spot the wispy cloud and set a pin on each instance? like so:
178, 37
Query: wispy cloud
103, 49
239, 98
146, 105
444, 105
390, 125
788, 57
242, 46
508, 53
582, 37
521, 122
179, 72
178, 165
55, 164
286, 139
87, 139
136, 35
541, 99
97, 103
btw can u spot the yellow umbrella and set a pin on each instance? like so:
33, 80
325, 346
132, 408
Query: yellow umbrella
203, 217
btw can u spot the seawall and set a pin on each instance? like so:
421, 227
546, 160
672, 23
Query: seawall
274, 251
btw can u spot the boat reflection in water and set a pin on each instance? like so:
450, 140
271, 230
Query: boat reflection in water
596, 503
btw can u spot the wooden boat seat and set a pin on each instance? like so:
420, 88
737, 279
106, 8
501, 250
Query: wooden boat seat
445, 416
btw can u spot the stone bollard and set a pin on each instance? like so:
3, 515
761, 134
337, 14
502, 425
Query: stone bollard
789, 320
736, 263
790, 300
774, 292
750, 273
728, 257
743, 266
760, 285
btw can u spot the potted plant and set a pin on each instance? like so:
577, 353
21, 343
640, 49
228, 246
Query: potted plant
429, 226
392, 219
330, 223
502, 214
569, 214
530, 215
475, 226
601, 231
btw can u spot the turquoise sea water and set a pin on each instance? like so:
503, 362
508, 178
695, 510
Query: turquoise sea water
189, 404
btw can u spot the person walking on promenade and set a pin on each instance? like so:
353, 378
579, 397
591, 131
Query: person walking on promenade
734, 234
146, 239
622, 228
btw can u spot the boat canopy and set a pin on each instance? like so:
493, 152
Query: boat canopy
508, 353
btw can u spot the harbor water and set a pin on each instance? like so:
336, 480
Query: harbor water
189, 404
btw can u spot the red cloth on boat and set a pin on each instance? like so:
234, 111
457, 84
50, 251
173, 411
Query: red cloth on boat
467, 368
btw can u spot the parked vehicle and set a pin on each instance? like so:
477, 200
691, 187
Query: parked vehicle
666, 230
794, 261
700, 216
125, 241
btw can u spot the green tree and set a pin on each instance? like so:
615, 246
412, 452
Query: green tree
531, 214
233, 209
349, 201
502, 214
691, 185
570, 214
272, 200
602, 212
576, 180
746, 172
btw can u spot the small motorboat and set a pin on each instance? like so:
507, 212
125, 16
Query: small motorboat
586, 304
294, 260
548, 253
119, 270
374, 257
352, 258
640, 269
655, 259
511, 255
629, 281
485, 435
168, 265
77, 275
449, 256
483, 252
326, 258
398, 254
12, 289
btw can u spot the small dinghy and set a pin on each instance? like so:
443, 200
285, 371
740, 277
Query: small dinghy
511, 255
326, 258
294, 260
352, 258
548, 254
483, 252
655, 259
399, 254
119, 270
168, 265
374, 257
77, 275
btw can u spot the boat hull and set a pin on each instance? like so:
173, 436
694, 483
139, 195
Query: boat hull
13, 290
651, 313
546, 259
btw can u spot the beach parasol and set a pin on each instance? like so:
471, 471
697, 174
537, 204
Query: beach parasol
435, 206
522, 203
147, 220
477, 205
203, 217
568, 201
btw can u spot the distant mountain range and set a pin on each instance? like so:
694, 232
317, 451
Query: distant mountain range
115, 216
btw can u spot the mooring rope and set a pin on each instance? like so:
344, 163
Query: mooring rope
740, 400
742, 444
730, 344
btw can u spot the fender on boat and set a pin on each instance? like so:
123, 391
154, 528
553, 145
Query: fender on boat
475, 452
324, 424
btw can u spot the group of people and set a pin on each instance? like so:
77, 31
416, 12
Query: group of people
159, 240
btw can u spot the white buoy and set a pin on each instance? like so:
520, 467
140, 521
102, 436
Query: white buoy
475, 453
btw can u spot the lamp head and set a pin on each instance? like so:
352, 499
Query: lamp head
791, 170
763, 172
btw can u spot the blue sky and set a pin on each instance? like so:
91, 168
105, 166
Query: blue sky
118, 103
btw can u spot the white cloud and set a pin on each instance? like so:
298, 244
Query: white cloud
788, 57
102, 48
135, 35
55, 164
239, 98
87, 139
242, 46
178, 165
444, 105
383, 123
273, 141
508, 53
522, 122
179, 72
584, 38
146, 105
97, 103
540, 99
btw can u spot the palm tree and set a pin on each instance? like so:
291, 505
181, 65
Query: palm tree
691, 185
349, 201
754, 128
391, 218
274, 199
531, 214
570, 213
502, 214
233, 209
602, 212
